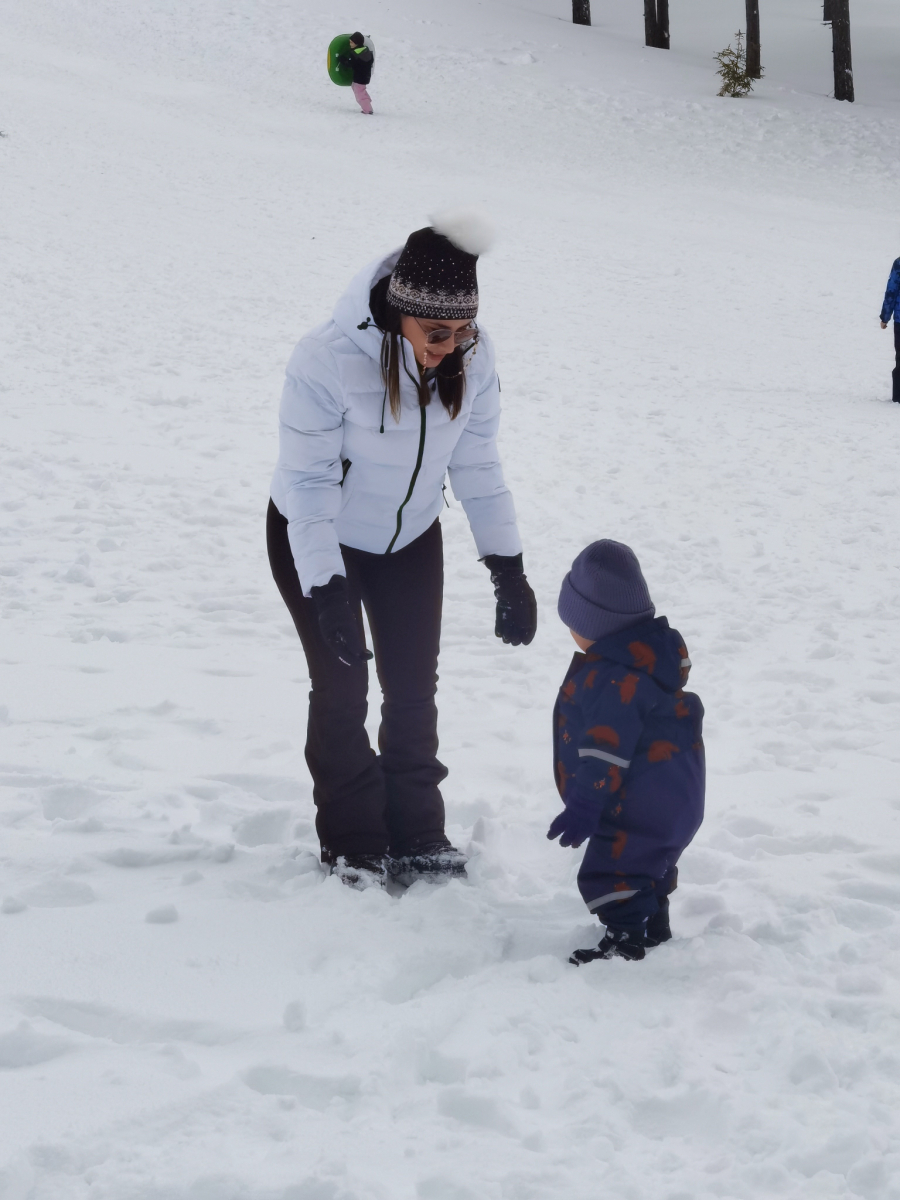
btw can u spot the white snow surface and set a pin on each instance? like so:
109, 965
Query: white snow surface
684, 298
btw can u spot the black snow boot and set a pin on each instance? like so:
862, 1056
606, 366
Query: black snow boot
435, 863
361, 871
617, 943
658, 929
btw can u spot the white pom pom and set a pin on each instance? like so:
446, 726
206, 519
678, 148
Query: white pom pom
468, 229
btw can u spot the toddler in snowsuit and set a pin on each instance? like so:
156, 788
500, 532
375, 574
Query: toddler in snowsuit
360, 60
628, 751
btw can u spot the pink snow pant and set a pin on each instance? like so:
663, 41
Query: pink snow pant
363, 99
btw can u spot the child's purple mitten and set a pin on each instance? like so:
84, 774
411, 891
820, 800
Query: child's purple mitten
577, 822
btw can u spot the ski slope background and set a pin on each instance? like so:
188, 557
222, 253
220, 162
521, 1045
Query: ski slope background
684, 300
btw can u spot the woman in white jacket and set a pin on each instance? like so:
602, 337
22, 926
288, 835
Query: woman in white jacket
394, 394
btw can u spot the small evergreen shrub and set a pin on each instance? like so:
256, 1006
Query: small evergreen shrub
733, 69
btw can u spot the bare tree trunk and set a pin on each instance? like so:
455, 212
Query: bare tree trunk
662, 24
651, 33
581, 12
843, 61
827, 11
754, 59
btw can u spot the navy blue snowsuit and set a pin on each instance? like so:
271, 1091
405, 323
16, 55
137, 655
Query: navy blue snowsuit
627, 734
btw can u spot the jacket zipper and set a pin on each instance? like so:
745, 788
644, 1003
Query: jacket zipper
412, 482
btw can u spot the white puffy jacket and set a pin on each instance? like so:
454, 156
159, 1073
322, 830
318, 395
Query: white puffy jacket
333, 411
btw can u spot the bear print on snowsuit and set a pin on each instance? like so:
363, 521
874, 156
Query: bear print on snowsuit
626, 733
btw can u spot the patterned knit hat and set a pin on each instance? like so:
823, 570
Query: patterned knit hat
435, 275
605, 591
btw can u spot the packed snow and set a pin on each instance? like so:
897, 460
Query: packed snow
684, 297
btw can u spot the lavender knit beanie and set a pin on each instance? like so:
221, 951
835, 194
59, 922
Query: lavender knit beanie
605, 591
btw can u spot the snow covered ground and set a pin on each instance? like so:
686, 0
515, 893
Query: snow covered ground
684, 301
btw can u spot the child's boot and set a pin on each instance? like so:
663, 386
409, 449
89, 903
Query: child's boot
617, 943
658, 929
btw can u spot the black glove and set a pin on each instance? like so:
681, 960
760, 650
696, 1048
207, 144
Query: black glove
337, 621
516, 606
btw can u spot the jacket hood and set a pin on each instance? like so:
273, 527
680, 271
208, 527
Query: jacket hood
651, 647
352, 310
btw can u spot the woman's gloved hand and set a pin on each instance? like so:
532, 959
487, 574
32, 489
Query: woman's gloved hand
337, 621
579, 820
516, 606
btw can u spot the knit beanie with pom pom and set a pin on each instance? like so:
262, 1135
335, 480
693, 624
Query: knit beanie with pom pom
435, 276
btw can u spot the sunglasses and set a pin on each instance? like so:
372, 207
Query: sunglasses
434, 337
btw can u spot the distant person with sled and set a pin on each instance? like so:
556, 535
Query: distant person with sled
382, 403
628, 751
360, 60
890, 310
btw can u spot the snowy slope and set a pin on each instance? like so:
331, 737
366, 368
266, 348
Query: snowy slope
684, 301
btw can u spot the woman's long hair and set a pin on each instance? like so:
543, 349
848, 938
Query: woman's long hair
450, 375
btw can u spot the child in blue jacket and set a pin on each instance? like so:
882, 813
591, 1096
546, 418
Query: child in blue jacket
628, 745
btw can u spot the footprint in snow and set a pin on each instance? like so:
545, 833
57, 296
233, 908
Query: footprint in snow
123, 1028
23, 1047
58, 893
166, 914
312, 1091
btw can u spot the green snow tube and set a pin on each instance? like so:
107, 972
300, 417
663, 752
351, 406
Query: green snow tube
339, 72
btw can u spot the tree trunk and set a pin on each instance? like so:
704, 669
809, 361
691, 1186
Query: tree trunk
581, 12
662, 24
843, 62
651, 34
754, 60
827, 11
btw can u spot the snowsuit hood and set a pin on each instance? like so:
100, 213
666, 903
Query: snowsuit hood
651, 647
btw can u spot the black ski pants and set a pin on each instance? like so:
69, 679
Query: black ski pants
368, 803
896, 372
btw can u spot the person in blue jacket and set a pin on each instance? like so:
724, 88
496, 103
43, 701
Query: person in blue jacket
628, 751
891, 310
